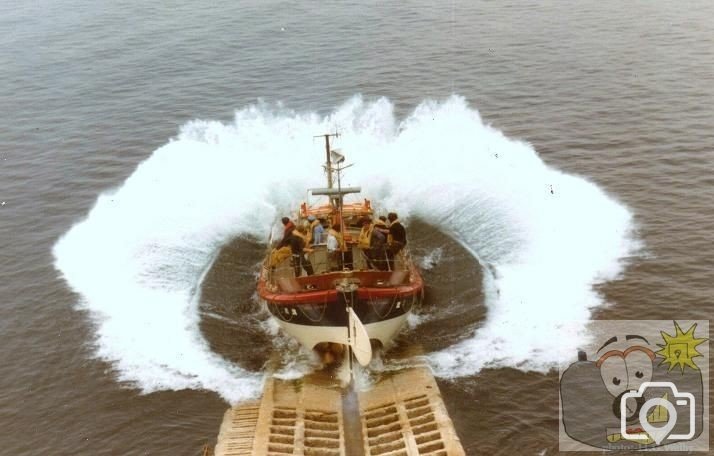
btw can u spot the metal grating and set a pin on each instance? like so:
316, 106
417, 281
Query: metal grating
281, 435
236, 435
403, 415
287, 422
323, 433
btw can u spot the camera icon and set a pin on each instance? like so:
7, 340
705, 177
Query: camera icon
658, 434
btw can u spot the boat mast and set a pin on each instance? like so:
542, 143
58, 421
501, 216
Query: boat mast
347, 288
337, 198
328, 159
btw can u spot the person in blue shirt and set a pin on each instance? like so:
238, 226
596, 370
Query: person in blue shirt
317, 230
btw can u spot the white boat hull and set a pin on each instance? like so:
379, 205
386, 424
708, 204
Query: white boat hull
309, 336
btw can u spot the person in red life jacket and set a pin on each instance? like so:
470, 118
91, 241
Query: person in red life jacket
397, 238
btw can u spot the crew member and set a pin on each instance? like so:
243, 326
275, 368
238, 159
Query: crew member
296, 241
335, 247
397, 238
316, 230
287, 231
371, 242
381, 225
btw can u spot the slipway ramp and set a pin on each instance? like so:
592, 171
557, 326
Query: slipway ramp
402, 415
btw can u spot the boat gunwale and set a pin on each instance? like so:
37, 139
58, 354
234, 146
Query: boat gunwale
415, 286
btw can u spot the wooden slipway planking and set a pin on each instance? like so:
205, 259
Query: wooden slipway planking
402, 415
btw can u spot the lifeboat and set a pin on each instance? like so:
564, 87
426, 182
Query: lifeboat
336, 293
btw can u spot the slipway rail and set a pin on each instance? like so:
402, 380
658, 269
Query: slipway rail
402, 415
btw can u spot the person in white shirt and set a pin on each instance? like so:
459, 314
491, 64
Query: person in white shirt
334, 247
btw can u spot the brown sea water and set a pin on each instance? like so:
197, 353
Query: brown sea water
621, 95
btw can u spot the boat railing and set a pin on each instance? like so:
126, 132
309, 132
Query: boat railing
330, 280
322, 263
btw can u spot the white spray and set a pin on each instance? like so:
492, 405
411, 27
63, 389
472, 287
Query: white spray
138, 258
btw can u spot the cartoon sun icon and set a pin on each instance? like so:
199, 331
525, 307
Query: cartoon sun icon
680, 349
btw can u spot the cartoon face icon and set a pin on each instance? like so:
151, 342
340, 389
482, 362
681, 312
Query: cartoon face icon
625, 370
626, 398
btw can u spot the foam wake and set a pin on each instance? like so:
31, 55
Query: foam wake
138, 258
